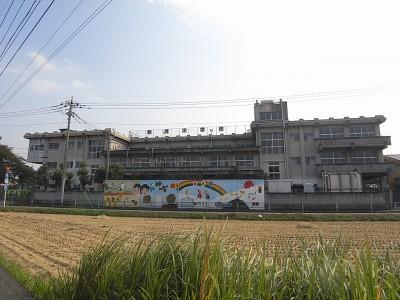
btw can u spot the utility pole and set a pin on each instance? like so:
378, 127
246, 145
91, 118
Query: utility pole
71, 104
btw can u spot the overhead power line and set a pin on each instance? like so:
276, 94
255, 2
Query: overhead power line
27, 37
8, 10
19, 28
83, 25
40, 50
12, 22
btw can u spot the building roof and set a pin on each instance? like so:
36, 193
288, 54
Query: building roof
393, 156
75, 133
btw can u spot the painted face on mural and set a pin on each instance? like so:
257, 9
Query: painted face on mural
144, 189
136, 189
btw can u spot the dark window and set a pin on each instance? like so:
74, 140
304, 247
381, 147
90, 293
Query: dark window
364, 156
296, 160
52, 165
244, 160
272, 142
295, 136
331, 132
361, 131
333, 157
54, 146
274, 170
270, 115
310, 160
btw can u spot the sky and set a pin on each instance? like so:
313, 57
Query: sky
326, 58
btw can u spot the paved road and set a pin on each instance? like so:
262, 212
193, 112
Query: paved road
10, 289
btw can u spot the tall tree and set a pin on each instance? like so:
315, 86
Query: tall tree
25, 173
83, 175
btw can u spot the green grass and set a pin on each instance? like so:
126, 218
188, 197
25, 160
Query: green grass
34, 284
207, 266
250, 216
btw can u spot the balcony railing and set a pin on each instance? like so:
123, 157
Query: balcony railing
368, 167
379, 142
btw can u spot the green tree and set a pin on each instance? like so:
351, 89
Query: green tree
25, 173
83, 174
115, 173
43, 176
56, 176
100, 175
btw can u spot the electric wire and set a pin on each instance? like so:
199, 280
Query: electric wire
18, 30
12, 22
8, 10
39, 52
27, 37
47, 108
83, 25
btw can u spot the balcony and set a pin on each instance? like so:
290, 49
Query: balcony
371, 167
380, 142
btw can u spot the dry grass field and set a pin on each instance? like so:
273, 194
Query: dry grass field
47, 243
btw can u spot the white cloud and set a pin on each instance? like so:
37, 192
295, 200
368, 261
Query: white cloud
45, 85
78, 84
39, 59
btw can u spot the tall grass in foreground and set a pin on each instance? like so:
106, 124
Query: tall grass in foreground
202, 266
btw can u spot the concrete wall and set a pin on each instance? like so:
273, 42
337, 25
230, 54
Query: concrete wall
72, 199
273, 202
327, 201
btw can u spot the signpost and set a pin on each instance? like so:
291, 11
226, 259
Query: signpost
6, 182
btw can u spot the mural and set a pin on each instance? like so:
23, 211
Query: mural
180, 194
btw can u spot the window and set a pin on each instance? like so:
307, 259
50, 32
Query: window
270, 115
77, 164
71, 145
295, 136
93, 169
52, 164
165, 162
70, 164
310, 160
272, 142
308, 136
361, 131
36, 147
274, 170
331, 132
119, 161
140, 162
244, 160
191, 161
96, 147
218, 161
80, 144
54, 146
333, 157
364, 156
296, 160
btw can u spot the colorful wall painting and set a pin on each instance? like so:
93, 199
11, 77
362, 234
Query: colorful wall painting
185, 194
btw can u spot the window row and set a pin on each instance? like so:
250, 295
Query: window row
270, 115
337, 157
337, 132
58, 145
244, 160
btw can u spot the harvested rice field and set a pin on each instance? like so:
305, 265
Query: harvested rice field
49, 243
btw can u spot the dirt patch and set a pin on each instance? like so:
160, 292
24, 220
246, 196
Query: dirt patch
52, 243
